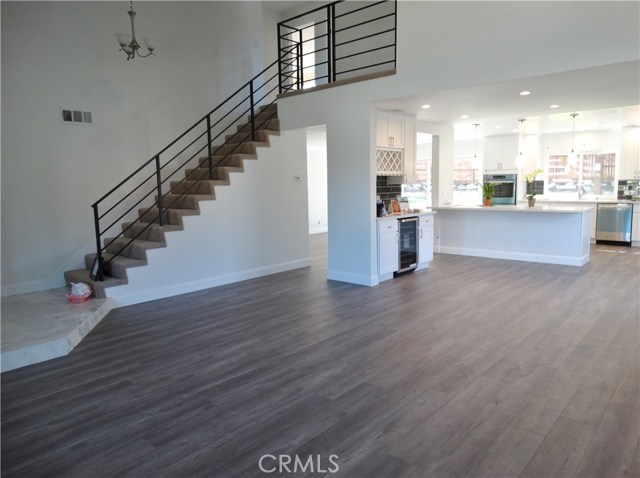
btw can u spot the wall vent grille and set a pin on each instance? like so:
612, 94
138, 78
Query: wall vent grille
70, 116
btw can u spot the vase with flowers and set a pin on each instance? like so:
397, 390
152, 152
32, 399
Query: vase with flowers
531, 194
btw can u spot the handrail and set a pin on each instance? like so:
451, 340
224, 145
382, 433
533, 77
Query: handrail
323, 55
153, 176
156, 175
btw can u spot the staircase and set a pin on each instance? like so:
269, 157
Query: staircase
183, 199
135, 215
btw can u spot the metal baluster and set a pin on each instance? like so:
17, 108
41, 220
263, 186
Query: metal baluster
332, 38
329, 42
280, 49
253, 114
159, 187
210, 161
96, 220
395, 33
300, 76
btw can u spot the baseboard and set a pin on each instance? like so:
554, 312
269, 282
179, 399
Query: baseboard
358, 279
22, 288
55, 279
123, 297
317, 230
516, 256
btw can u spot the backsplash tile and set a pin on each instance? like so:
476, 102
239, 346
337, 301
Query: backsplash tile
385, 190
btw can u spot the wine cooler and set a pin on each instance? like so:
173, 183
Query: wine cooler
407, 244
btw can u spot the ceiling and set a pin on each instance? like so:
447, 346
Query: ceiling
283, 6
604, 97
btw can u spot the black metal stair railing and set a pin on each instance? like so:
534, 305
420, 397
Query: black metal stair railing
152, 177
327, 44
336, 41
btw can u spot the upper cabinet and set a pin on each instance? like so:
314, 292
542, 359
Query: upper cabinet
389, 130
500, 153
630, 153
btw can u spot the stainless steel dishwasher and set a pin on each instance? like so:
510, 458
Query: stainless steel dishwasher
613, 224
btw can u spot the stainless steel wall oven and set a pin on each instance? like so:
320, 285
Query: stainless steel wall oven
506, 187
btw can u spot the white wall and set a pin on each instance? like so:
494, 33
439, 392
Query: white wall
64, 54
441, 46
317, 179
251, 229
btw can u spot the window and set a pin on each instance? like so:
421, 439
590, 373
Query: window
467, 176
419, 193
592, 175
598, 174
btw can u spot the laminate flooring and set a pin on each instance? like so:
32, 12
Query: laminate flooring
473, 368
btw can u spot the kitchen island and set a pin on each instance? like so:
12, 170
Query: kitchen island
549, 234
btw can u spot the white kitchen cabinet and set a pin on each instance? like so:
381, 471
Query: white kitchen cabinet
500, 153
389, 130
425, 241
387, 248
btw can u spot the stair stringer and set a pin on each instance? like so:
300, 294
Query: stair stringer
257, 225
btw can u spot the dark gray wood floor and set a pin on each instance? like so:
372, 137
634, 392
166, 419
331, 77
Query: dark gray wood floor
474, 367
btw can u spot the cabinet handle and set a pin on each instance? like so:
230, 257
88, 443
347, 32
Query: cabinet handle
420, 233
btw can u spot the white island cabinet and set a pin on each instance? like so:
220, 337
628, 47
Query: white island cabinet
388, 243
425, 241
548, 234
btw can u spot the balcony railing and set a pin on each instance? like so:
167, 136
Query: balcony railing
341, 40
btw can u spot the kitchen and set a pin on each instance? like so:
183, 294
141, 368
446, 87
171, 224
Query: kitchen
590, 162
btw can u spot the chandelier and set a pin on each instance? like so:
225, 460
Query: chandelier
573, 156
129, 44
520, 157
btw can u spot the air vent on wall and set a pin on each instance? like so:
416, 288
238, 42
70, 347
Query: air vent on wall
75, 116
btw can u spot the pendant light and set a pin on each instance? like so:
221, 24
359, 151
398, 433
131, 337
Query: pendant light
475, 138
573, 157
520, 157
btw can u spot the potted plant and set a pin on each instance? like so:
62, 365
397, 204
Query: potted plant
529, 178
488, 190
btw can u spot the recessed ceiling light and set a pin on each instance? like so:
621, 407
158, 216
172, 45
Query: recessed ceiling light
464, 116
525, 93
554, 106
426, 107
498, 127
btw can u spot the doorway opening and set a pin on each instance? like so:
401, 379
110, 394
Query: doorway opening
317, 179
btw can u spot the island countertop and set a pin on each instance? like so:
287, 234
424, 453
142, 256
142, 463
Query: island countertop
402, 216
519, 208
